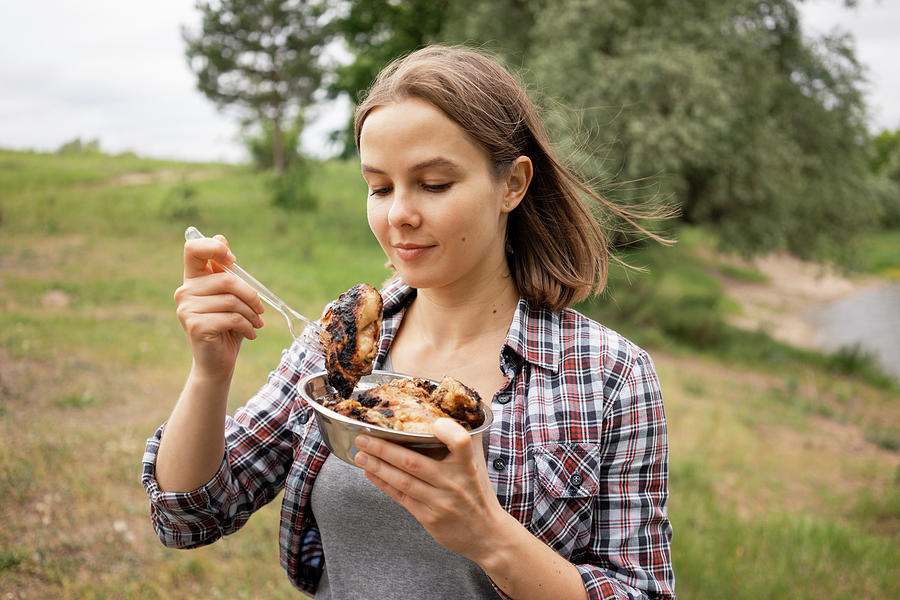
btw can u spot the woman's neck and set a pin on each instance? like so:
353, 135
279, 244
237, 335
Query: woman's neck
450, 319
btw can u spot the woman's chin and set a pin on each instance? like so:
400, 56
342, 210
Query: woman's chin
416, 280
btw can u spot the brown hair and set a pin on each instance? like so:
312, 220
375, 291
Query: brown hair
556, 251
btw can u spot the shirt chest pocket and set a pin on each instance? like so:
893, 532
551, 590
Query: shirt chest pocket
567, 484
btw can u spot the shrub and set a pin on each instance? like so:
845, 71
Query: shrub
180, 203
291, 190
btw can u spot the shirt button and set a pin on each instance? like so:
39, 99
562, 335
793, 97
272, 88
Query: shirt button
576, 479
504, 398
499, 464
303, 418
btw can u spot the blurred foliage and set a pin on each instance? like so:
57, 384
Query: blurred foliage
180, 203
261, 57
288, 188
76, 146
260, 144
884, 162
376, 32
879, 253
291, 191
884, 150
754, 129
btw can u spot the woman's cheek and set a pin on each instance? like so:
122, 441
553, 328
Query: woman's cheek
377, 221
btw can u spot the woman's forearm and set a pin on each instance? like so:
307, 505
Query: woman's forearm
524, 567
193, 441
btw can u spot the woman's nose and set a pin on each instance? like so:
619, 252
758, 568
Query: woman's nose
403, 211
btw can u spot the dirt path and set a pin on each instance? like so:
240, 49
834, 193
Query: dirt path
784, 305
164, 175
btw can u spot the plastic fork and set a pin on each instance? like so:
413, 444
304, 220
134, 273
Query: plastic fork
310, 333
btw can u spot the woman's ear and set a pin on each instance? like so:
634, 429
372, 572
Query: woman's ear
517, 182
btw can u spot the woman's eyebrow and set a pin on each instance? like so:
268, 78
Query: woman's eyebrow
367, 169
439, 162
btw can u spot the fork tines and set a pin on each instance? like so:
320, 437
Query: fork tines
313, 337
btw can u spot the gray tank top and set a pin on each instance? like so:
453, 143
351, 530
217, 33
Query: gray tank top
374, 548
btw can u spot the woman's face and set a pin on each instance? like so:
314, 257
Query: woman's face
434, 205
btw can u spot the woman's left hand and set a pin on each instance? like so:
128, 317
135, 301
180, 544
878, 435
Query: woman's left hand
452, 498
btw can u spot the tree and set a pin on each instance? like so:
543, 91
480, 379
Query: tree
260, 142
750, 126
884, 146
376, 32
884, 162
261, 57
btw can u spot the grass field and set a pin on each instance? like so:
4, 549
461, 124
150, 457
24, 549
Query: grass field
785, 476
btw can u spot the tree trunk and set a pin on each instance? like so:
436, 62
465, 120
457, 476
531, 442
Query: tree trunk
277, 146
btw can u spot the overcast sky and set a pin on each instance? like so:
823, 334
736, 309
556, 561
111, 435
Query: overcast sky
115, 70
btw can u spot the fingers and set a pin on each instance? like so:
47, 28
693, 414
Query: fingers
397, 478
397, 465
448, 431
413, 473
198, 253
209, 326
221, 283
374, 450
418, 509
226, 303
218, 302
455, 437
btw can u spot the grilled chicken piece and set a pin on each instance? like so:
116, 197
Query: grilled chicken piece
352, 325
459, 401
411, 405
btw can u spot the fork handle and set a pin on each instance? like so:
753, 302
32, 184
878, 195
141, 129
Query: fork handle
192, 233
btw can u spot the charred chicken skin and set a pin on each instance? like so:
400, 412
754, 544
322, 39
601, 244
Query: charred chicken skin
412, 405
352, 325
459, 401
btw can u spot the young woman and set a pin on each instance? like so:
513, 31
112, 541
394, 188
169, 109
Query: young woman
490, 241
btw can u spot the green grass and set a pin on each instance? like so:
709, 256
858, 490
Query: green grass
880, 253
778, 555
784, 462
9, 560
742, 273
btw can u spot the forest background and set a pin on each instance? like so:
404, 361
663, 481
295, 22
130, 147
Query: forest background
785, 475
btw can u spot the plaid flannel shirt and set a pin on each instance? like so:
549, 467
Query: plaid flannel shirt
577, 452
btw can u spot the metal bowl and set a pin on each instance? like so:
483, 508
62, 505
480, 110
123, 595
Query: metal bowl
339, 432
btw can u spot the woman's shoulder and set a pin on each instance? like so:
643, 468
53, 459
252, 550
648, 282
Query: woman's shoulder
578, 333
568, 339
593, 351
587, 345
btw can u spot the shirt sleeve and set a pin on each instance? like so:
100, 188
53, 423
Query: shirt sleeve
631, 551
258, 455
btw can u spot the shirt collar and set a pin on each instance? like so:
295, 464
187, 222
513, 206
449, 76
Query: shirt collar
394, 295
534, 334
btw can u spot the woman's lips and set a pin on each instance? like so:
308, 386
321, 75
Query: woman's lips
409, 252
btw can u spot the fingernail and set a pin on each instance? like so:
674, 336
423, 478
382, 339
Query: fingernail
362, 441
361, 458
259, 322
230, 257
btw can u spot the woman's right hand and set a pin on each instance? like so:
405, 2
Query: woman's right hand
216, 309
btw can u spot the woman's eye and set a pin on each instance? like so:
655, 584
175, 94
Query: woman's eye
379, 191
436, 187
